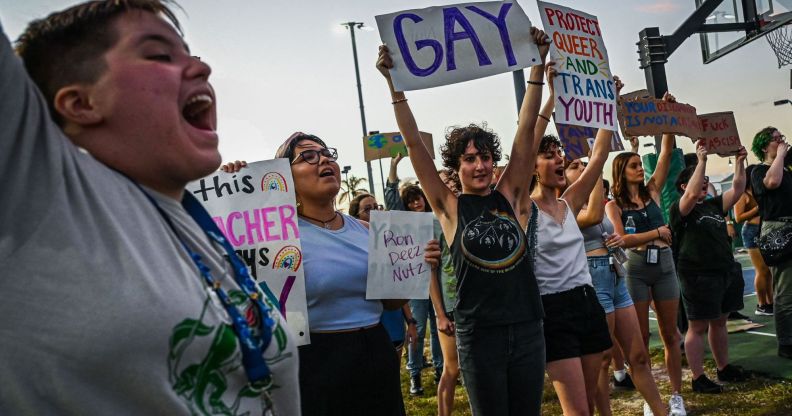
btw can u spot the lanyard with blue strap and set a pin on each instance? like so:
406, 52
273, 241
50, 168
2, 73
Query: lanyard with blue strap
252, 344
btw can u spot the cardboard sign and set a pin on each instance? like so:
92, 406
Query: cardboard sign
578, 141
256, 211
651, 116
449, 44
584, 88
396, 268
382, 145
720, 132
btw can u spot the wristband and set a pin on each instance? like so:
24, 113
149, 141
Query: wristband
544, 117
658, 233
535, 82
411, 321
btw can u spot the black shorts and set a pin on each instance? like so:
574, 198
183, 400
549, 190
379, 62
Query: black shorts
709, 295
574, 324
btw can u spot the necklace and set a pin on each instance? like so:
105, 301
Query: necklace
325, 224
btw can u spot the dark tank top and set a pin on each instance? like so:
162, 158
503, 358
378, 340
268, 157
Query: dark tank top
646, 219
496, 283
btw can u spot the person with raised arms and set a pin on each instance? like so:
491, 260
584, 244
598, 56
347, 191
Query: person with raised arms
598, 241
711, 281
120, 294
498, 313
651, 276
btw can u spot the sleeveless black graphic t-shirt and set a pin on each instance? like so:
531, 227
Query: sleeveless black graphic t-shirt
496, 283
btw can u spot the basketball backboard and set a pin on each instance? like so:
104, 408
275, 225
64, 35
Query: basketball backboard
768, 16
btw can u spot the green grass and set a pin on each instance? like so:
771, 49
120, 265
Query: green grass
759, 396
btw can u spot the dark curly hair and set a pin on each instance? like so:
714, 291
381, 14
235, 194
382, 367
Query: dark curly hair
410, 193
457, 139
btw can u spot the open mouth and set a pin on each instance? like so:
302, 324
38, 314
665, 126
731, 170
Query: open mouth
326, 173
560, 171
197, 111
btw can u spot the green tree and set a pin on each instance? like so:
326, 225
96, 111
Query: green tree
351, 187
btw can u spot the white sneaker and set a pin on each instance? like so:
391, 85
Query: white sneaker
647, 410
677, 406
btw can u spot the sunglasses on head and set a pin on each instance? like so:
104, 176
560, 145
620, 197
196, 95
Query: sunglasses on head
312, 156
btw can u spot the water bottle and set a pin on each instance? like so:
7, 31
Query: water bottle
629, 226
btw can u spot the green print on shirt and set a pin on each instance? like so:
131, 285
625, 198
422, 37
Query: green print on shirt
203, 384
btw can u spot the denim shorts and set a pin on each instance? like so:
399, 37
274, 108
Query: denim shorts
750, 234
611, 290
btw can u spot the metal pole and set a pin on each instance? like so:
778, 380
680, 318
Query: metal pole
351, 26
519, 87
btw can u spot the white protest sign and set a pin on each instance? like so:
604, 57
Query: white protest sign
584, 88
396, 268
449, 44
255, 209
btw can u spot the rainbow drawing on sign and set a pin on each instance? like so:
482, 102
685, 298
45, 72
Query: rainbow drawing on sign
288, 258
274, 181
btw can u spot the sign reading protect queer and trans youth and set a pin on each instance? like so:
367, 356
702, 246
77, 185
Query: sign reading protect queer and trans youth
584, 88
720, 132
396, 268
449, 44
651, 116
381, 145
577, 140
256, 211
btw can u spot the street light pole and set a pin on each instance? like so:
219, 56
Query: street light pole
352, 26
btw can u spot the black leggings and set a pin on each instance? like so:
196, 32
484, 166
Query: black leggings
350, 373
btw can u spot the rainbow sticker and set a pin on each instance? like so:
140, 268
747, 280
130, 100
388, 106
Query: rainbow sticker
288, 258
274, 181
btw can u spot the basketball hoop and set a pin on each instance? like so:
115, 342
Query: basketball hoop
781, 42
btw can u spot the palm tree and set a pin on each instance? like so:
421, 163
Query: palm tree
353, 188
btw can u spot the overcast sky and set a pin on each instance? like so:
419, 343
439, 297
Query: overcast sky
281, 66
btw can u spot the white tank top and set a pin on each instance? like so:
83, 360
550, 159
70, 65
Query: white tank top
560, 256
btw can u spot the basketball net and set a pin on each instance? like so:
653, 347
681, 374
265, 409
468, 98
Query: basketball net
781, 42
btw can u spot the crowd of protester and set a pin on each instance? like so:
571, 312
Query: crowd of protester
120, 295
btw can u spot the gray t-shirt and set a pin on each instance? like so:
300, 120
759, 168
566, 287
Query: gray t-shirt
101, 309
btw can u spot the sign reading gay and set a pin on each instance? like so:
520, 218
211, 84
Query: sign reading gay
720, 132
449, 44
256, 211
584, 88
578, 141
382, 145
396, 268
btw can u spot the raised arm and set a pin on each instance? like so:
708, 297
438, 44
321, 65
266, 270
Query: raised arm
514, 181
442, 200
393, 201
543, 119
660, 174
693, 188
595, 210
578, 193
775, 174
731, 196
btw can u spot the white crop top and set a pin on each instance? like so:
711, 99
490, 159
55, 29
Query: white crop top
560, 256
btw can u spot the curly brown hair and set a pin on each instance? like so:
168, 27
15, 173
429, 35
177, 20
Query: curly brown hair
457, 139
354, 205
619, 189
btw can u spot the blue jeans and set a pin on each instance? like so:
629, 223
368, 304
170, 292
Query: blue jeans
422, 311
503, 367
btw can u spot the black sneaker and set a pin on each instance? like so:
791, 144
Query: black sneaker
732, 373
736, 316
626, 384
764, 310
415, 385
785, 351
706, 386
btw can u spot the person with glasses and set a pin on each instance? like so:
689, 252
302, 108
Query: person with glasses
651, 276
771, 182
361, 206
120, 295
349, 367
711, 281
498, 313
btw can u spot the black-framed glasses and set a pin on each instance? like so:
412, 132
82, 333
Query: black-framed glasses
367, 208
313, 156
